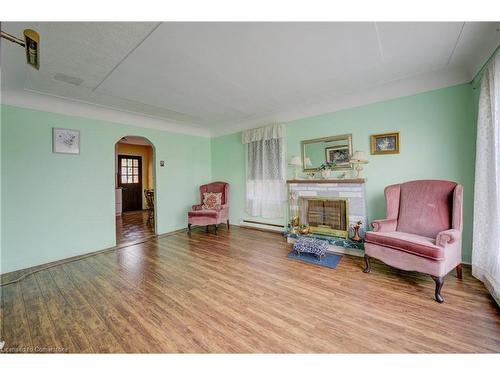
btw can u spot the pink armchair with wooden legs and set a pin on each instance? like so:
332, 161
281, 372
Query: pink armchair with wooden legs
201, 216
423, 230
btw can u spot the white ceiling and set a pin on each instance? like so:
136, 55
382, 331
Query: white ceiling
216, 78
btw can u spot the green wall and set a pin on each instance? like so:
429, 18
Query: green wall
57, 205
437, 134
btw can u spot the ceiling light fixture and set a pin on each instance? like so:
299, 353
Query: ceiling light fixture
31, 44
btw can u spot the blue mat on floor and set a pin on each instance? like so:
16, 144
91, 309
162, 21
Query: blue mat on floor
329, 260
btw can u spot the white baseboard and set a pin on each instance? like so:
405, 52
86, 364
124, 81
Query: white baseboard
260, 225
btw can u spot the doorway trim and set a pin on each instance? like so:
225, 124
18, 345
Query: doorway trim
154, 175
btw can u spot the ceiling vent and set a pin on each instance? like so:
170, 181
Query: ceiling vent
75, 81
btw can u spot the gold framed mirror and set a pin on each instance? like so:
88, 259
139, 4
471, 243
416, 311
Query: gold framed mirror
317, 151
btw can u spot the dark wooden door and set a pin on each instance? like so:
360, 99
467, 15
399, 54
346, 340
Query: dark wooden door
130, 180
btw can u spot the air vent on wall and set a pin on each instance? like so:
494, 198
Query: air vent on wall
75, 81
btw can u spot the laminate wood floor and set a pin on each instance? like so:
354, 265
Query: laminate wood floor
133, 226
238, 292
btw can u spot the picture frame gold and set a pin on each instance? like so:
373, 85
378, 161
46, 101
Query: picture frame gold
384, 143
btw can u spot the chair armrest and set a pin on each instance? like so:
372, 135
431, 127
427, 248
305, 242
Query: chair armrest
385, 225
448, 237
197, 207
221, 207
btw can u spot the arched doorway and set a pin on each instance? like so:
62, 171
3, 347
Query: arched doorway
134, 189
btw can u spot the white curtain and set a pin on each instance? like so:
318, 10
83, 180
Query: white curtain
265, 171
486, 240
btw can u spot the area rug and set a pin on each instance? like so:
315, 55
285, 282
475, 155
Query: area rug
329, 260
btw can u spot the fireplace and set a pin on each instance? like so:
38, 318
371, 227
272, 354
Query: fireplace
329, 207
325, 215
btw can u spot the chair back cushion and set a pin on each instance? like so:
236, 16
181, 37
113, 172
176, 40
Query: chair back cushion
426, 207
216, 187
211, 201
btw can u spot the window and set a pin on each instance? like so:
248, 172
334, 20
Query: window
266, 171
129, 171
486, 232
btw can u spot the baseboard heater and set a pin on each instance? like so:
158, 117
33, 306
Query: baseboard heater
261, 225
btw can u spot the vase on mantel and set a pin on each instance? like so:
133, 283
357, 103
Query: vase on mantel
326, 169
326, 173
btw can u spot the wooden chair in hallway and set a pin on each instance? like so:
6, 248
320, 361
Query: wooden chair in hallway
150, 201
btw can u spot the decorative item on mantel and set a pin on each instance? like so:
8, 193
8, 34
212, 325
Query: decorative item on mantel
357, 160
326, 169
308, 164
296, 163
355, 229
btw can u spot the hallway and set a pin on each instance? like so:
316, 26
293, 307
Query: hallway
133, 226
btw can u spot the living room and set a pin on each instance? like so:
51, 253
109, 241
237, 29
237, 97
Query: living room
250, 187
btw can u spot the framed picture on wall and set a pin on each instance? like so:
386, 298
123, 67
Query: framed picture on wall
339, 155
65, 141
387, 143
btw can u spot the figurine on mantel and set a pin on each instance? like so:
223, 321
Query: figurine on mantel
355, 228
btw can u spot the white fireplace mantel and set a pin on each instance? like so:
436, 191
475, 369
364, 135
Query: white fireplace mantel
351, 189
333, 181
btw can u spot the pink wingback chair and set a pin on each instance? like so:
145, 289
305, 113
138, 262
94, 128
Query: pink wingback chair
201, 216
423, 230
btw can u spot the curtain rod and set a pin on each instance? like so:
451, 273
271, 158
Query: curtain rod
479, 75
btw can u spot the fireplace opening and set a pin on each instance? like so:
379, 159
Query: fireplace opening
328, 216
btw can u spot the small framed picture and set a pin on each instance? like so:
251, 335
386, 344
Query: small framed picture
65, 141
339, 155
387, 143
